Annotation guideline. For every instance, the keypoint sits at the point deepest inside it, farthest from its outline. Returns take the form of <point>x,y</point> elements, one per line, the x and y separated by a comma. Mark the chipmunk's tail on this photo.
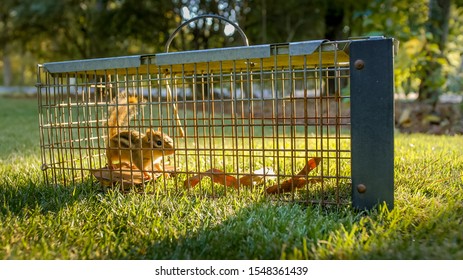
<point>121,110</point>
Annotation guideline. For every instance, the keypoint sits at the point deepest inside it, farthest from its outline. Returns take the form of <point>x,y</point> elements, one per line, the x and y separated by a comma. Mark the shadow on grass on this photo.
<point>24,196</point>
<point>246,236</point>
<point>263,230</point>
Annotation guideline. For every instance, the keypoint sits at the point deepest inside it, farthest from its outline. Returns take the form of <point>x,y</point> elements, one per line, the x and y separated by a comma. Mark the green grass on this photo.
<point>82,222</point>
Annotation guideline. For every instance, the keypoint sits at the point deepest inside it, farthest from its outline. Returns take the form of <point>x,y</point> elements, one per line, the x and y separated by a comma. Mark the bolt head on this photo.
<point>359,64</point>
<point>361,188</point>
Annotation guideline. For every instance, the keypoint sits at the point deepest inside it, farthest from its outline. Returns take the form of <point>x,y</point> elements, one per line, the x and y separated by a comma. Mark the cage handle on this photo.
<point>169,41</point>
<point>240,31</point>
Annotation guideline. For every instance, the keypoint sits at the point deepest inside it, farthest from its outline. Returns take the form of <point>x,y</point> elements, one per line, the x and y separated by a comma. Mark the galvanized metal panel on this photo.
<point>223,54</point>
<point>93,64</point>
<point>372,116</point>
<point>214,58</point>
<point>303,48</point>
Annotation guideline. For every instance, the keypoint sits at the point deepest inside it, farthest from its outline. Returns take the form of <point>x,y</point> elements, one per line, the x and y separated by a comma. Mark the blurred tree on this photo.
<point>454,49</point>
<point>141,26</point>
<point>403,20</point>
<point>82,28</point>
<point>437,29</point>
<point>272,21</point>
<point>426,57</point>
<point>207,33</point>
<point>22,28</point>
<point>8,36</point>
<point>48,30</point>
<point>344,18</point>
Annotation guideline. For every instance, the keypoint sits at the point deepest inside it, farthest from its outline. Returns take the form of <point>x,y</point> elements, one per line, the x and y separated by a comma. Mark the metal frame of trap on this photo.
<point>231,102</point>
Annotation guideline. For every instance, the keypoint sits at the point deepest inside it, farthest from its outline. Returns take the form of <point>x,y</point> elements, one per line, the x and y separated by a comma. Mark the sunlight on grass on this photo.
<point>84,221</point>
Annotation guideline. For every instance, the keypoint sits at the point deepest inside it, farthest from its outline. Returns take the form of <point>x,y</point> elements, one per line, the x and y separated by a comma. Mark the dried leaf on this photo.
<point>311,165</point>
<point>221,178</point>
<point>126,175</point>
<point>216,175</point>
<point>291,184</point>
<point>193,181</point>
<point>250,180</point>
<point>297,181</point>
<point>108,177</point>
<point>288,185</point>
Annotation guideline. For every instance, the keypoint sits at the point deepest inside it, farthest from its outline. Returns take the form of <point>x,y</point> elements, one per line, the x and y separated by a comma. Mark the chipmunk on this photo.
<point>142,150</point>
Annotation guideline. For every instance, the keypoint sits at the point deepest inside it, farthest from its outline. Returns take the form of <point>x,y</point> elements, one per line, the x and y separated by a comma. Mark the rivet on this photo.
<point>359,64</point>
<point>361,188</point>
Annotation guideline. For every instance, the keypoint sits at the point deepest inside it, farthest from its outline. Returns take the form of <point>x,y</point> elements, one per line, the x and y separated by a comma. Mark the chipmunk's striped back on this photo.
<point>122,109</point>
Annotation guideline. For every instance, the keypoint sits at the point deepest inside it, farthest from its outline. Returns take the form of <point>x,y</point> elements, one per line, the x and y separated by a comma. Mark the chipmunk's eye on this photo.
<point>159,143</point>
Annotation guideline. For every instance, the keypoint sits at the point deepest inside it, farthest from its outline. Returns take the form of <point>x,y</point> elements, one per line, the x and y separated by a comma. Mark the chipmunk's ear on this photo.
<point>159,128</point>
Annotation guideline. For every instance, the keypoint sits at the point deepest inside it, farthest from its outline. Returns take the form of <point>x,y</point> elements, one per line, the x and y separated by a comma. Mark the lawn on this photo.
<point>83,222</point>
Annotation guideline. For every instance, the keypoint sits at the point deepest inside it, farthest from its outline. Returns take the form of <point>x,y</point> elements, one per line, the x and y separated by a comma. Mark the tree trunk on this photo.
<point>264,22</point>
<point>438,26</point>
<point>7,71</point>
<point>334,24</point>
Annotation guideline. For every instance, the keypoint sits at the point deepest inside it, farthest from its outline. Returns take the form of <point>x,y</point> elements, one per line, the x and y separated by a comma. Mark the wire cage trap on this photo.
<point>310,121</point>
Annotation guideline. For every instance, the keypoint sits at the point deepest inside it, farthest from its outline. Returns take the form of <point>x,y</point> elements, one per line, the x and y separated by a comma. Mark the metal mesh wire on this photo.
<point>241,117</point>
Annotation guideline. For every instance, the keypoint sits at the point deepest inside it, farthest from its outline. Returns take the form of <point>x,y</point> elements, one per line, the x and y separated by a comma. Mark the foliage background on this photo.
<point>37,31</point>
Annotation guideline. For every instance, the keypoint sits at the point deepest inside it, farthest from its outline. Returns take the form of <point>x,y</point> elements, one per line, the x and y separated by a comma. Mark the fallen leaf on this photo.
<point>108,177</point>
<point>297,181</point>
<point>311,165</point>
<point>126,175</point>
<point>216,175</point>
<point>192,181</point>
<point>291,184</point>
